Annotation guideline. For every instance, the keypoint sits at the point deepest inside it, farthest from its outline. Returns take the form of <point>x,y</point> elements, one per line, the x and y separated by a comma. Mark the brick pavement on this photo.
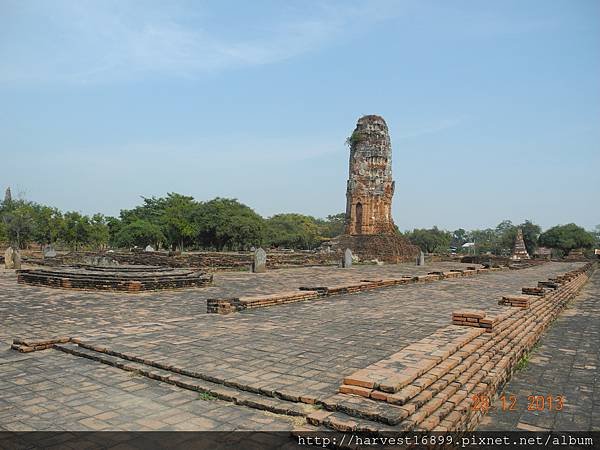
<point>52,391</point>
<point>307,346</point>
<point>565,363</point>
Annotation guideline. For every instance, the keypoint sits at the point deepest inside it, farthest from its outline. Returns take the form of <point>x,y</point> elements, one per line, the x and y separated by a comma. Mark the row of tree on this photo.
<point>180,222</point>
<point>172,222</point>
<point>500,240</point>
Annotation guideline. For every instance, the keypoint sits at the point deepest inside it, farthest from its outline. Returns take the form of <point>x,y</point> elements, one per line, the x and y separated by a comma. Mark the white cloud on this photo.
<point>103,41</point>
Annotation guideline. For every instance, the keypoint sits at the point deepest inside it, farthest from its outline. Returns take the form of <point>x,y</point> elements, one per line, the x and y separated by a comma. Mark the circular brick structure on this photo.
<point>117,278</point>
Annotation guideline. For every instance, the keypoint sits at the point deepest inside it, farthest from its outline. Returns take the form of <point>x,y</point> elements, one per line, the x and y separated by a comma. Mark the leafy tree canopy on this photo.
<point>431,240</point>
<point>567,237</point>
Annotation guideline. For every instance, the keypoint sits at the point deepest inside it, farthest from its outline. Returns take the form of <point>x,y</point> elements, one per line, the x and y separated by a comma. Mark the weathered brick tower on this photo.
<point>370,232</point>
<point>519,250</point>
<point>370,185</point>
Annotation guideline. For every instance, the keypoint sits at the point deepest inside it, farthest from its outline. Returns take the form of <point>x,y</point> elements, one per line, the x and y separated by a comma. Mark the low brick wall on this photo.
<point>202,260</point>
<point>312,292</point>
<point>474,318</point>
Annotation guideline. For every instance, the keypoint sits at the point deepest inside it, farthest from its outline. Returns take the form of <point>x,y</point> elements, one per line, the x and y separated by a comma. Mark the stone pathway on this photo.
<point>50,390</point>
<point>308,346</point>
<point>566,363</point>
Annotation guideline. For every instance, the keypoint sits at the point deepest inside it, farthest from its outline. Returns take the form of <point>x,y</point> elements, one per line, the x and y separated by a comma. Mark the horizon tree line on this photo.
<point>179,222</point>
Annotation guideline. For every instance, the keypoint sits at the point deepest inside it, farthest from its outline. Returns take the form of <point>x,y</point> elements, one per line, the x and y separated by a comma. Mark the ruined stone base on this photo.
<point>120,278</point>
<point>390,248</point>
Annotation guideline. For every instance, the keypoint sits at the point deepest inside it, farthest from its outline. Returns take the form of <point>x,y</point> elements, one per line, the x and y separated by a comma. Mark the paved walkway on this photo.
<point>566,363</point>
<point>307,346</point>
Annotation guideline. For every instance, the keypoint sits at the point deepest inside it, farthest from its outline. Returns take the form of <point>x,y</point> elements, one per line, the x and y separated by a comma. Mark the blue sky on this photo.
<point>493,107</point>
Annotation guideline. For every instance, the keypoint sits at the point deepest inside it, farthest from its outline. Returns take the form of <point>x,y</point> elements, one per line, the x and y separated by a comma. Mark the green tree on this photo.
<point>98,231</point>
<point>47,223</point>
<point>431,240</point>
<point>114,225</point>
<point>18,223</point>
<point>293,231</point>
<point>596,234</point>
<point>3,234</point>
<point>139,233</point>
<point>459,237</point>
<point>76,230</point>
<point>226,223</point>
<point>178,220</point>
<point>173,214</point>
<point>485,240</point>
<point>566,238</point>
<point>504,240</point>
<point>333,225</point>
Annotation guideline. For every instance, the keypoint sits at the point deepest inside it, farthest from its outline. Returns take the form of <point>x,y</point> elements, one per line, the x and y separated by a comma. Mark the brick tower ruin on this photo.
<point>370,231</point>
<point>370,185</point>
<point>519,250</point>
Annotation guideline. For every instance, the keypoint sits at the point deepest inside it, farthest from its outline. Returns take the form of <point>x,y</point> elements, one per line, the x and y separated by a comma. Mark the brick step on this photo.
<point>339,421</point>
<point>296,397</point>
<point>365,408</point>
<point>220,391</point>
<point>392,374</point>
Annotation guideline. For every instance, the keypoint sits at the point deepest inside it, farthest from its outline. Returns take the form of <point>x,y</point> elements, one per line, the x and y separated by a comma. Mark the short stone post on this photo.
<point>8,258</point>
<point>259,264</point>
<point>17,260</point>
<point>347,260</point>
<point>12,259</point>
<point>49,252</point>
<point>421,259</point>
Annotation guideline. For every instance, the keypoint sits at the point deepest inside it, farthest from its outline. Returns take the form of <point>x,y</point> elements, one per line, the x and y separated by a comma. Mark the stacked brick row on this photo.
<point>533,291</point>
<point>115,280</point>
<point>474,318</point>
<point>236,304</point>
<point>27,346</point>
<point>431,385</point>
<point>518,301</point>
<point>227,306</point>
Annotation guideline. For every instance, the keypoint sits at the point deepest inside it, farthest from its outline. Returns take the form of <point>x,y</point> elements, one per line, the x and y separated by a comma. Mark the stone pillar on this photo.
<point>347,259</point>
<point>12,259</point>
<point>259,264</point>
<point>49,252</point>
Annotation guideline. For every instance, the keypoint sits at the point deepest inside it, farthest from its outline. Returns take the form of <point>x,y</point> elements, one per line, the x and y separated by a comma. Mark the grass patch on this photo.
<point>206,396</point>
<point>524,361</point>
